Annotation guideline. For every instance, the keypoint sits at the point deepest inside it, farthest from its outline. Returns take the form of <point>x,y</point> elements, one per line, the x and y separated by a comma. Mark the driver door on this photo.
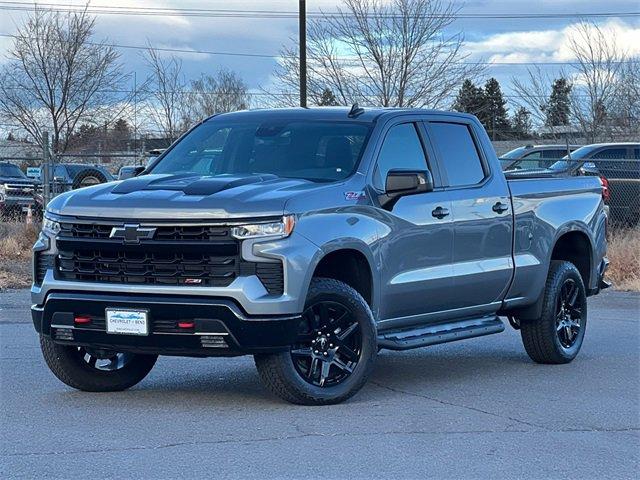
<point>417,248</point>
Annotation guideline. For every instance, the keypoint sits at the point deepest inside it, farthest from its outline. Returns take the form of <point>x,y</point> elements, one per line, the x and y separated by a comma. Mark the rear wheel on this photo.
<point>95,370</point>
<point>334,353</point>
<point>556,337</point>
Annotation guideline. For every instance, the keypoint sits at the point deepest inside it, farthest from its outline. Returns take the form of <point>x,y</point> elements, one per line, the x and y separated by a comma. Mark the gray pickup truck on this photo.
<point>311,239</point>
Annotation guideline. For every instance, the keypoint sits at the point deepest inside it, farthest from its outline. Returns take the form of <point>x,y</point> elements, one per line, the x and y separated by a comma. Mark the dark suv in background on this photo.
<point>534,156</point>
<point>16,192</point>
<point>618,166</point>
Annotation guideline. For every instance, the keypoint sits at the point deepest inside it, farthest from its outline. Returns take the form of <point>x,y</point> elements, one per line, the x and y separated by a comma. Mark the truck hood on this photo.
<point>183,197</point>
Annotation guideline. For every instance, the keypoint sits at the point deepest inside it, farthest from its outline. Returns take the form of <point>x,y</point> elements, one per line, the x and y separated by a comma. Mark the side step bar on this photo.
<point>426,335</point>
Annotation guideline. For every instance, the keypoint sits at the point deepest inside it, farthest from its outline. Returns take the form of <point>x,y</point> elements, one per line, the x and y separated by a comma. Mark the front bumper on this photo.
<point>221,328</point>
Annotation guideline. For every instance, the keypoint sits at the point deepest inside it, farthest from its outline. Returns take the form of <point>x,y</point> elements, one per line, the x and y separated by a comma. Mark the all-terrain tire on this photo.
<point>68,365</point>
<point>87,178</point>
<point>540,337</point>
<point>278,373</point>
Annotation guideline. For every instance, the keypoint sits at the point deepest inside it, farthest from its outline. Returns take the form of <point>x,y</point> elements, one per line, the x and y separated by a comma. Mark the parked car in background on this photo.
<point>69,176</point>
<point>532,157</point>
<point>618,166</point>
<point>16,192</point>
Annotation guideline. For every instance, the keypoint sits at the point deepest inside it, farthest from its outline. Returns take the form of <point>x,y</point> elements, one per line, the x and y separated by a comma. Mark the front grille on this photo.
<point>163,232</point>
<point>206,256</point>
<point>19,190</point>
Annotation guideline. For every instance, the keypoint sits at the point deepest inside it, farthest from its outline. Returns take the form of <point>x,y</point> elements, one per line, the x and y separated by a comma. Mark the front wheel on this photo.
<point>334,353</point>
<point>95,370</point>
<point>556,337</point>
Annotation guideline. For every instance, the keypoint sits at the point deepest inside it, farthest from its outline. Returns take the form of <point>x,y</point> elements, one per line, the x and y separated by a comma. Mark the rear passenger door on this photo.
<point>482,215</point>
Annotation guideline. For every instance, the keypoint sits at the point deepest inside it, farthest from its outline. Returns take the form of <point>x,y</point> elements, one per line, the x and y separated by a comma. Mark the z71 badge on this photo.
<point>354,195</point>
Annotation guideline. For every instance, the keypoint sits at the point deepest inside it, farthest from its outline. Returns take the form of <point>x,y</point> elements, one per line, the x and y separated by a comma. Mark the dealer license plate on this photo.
<point>127,322</point>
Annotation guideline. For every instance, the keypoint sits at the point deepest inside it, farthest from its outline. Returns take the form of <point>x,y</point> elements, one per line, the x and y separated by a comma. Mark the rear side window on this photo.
<point>401,149</point>
<point>554,154</point>
<point>459,153</point>
<point>611,153</point>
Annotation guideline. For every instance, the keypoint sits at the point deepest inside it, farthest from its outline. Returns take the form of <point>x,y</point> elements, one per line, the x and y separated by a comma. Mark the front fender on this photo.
<point>352,228</point>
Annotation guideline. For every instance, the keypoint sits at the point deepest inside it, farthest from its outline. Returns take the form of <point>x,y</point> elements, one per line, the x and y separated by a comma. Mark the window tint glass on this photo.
<point>555,154</point>
<point>459,153</point>
<point>611,153</point>
<point>316,151</point>
<point>401,149</point>
<point>533,155</point>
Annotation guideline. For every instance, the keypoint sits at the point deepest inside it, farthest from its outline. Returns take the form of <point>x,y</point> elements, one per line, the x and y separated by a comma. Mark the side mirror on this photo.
<point>129,172</point>
<point>401,183</point>
<point>59,179</point>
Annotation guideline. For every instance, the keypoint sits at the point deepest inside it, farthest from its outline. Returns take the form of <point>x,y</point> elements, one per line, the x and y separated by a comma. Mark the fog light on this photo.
<point>213,341</point>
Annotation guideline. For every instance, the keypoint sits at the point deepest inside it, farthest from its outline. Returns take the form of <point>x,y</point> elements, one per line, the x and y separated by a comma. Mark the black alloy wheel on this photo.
<point>334,353</point>
<point>329,346</point>
<point>568,313</point>
<point>104,360</point>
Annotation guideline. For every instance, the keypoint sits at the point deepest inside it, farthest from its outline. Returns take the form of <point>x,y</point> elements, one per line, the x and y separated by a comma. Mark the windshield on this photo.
<point>577,154</point>
<point>11,171</point>
<point>313,150</point>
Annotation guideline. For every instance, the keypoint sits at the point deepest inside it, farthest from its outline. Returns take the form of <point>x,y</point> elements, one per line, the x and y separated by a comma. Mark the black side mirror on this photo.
<point>129,172</point>
<point>401,183</point>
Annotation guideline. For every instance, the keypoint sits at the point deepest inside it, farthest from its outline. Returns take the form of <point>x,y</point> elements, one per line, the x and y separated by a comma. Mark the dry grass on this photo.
<point>624,254</point>
<point>16,240</point>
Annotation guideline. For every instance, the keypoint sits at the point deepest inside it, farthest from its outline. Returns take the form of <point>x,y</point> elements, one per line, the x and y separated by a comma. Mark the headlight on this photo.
<point>282,228</point>
<point>50,226</point>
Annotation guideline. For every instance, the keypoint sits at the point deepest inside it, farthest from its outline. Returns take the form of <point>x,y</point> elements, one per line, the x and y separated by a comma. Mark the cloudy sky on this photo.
<point>499,40</point>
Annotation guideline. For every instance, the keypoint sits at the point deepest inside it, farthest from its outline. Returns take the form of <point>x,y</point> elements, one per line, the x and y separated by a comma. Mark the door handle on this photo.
<point>440,212</point>
<point>500,207</point>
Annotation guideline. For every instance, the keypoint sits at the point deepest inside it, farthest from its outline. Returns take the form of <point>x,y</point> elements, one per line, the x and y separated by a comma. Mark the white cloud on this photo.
<point>548,45</point>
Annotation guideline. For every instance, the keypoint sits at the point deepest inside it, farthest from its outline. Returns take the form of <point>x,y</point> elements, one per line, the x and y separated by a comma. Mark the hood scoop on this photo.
<point>189,184</point>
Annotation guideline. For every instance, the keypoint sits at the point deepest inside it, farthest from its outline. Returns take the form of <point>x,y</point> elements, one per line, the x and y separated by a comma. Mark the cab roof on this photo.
<point>368,115</point>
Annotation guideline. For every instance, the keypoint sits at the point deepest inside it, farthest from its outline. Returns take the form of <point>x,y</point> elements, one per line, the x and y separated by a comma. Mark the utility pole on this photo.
<point>302,30</point>
<point>45,173</point>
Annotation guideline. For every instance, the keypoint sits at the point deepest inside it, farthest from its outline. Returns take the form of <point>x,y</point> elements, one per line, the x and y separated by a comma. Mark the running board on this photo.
<point>426,335</point>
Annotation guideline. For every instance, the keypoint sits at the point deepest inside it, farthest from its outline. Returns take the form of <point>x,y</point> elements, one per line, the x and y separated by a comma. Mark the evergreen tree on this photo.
<point>327,99</point>
<point>122,128</point>
<point>11,137</point>
<point>521,123</point>
<point>558,108</point>
<point>494,111</point>
<point>470,99</point>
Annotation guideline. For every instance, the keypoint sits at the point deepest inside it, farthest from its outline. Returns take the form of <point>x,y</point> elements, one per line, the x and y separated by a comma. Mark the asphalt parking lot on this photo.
<point>474,409</point>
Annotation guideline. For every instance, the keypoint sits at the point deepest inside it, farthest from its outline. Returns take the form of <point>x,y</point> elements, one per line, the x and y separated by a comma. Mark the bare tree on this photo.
<point>534,91</point>
<point>166,99</point>
<point>380,53</point>
<point>225,92</point>
<point>57,76</point>
<point>600,62</point>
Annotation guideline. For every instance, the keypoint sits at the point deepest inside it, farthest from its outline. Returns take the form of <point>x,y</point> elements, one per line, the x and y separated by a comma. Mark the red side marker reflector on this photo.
<point>186,324</point>
<point>82,320</point>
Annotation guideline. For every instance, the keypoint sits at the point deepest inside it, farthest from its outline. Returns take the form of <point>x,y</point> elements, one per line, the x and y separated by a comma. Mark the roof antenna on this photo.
<point>355,111</point>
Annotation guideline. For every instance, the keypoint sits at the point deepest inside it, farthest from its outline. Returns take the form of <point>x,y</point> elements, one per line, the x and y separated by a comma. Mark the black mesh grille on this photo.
<point>163,233</point>
<point>42,262</point>
<point>176,255</point>
<point>272,277</point>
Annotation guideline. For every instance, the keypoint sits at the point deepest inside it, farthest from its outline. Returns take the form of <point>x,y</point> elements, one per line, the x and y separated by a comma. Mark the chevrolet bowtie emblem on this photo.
<point>132,233</point>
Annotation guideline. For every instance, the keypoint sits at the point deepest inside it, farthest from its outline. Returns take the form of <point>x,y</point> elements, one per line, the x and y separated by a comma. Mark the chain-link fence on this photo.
<point>28,183</point>
<point>24,189</point>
